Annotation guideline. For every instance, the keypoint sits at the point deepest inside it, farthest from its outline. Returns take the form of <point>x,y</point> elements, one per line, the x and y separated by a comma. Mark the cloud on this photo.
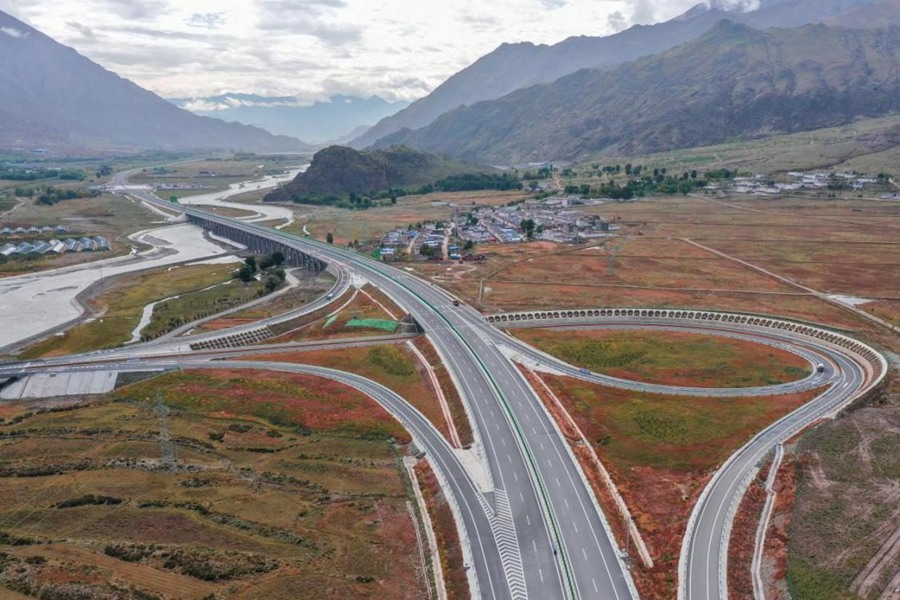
<point>13,32</point>
<point>206,20</point>
<point>734,5</point>
<point>617,21</point>
<point>644,12</point>
<point>138,10</point>
<point>551,4</point>
<point>84,30</point>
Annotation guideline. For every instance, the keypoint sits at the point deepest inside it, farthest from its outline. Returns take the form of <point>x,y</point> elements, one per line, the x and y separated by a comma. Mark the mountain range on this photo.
<point>53,97</point>
<point>339,119</point>
<point>515,66</point>
<point>734,81</point>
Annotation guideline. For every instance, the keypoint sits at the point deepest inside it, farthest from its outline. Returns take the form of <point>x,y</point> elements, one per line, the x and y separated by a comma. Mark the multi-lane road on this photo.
<point>534,530</point>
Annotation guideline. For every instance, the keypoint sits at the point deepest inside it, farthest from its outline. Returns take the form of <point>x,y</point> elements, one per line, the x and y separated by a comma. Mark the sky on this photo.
<point>312,49</point>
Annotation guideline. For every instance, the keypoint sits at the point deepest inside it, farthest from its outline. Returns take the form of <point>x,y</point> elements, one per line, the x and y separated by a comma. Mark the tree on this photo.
<point>245,274</point>
<point>329,238</point>
<point>250,262</point>
<point>277,258</point>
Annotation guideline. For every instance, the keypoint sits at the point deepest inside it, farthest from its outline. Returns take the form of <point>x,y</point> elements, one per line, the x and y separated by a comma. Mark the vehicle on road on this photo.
<point>456,303</point>
<point>585,371</point>
<point>820,368</point>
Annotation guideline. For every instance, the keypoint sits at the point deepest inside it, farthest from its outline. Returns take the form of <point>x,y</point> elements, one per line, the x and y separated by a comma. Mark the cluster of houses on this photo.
<point>51,247</point>
<point>552,219</point>
<point>795,181</point>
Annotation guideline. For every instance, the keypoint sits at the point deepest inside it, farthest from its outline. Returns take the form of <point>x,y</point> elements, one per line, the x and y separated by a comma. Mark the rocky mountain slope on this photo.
<point>515,66</point>
<point>734,81</point>
<point>51,96</point>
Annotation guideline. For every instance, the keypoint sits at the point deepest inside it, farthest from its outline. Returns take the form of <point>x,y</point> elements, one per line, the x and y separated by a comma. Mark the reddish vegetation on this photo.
<point>445,531</point>
<point>660,481</point>
<point>776,548</point>
<point>414,389</point>
<point>457,410</point>
<point>304,400</point>
<point>743,541</point>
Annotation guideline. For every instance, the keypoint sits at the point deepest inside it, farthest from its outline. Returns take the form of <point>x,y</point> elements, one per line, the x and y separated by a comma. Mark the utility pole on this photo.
<point>168,449</point>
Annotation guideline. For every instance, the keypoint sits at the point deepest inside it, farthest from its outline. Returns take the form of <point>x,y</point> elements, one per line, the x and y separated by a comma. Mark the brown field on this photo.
<point>668,357</point>
<point>285,483</point>
<point>392,366</point>
<point>661,451</point>
<point>834,246</point>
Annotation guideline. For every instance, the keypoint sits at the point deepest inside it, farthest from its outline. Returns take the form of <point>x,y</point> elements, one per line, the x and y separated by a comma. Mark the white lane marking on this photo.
<point>541,573</point>
<point>566,501</point>
<point>583,553</point>
<point>595,585</point>
<point>534,543</point>
<point>528,520</point>
<point>557,482</point>
<point>522,498</point>
<point>575,526</point>
<point>516,477</point>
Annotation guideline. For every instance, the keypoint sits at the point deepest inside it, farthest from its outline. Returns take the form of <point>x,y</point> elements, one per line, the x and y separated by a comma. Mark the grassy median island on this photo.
<point>660,451</point>
<point>670,357</point>
<point>393,366</point>
<point>120,304</point>
<point>286,486</point>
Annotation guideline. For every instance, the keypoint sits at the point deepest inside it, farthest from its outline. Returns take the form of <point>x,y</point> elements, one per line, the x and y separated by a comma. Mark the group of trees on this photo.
<point>268,268</point>
<point>22,174</point>
<point>660,182</point>
<point>50,195</point>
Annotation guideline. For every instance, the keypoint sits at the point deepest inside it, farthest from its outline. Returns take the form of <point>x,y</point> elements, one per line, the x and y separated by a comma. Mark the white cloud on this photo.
<point>13,32</point>
<point>312,49</point>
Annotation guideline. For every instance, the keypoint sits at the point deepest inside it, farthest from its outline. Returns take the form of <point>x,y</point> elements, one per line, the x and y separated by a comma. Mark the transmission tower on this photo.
<point>168,449</point>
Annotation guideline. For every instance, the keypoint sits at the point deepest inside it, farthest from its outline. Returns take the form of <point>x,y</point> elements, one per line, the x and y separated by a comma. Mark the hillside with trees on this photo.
<point>345,177</point>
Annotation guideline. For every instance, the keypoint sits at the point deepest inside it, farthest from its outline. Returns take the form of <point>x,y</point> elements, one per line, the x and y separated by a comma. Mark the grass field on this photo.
<point>285,484</point>
<point>392,366</point>
<point>669,357</point>
<point>660,451</point>
<point>120,303</point>
<point>846,508</point>
<point>309,288</point>
<point>861,145</point>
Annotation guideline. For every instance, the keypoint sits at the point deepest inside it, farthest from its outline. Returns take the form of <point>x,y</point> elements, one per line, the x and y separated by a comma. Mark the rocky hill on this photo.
<point>53,97</point>
<point>733,82</point>
<point>515,66</point>
<point>337,172</point>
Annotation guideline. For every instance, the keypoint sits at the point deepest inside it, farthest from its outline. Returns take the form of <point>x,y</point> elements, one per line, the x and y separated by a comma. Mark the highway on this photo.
<point>552,539</point>
<point>536,531</point>
<point>704,555</point>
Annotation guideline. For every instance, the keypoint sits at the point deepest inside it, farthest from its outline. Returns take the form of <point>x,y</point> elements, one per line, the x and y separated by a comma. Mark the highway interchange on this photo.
<point>537,532</point>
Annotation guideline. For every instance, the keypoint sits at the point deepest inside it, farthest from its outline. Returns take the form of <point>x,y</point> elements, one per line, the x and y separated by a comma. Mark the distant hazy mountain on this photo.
<point>52,96</point>
<point>319,122</point>
<point>515,66</point>
<point>733,81</point>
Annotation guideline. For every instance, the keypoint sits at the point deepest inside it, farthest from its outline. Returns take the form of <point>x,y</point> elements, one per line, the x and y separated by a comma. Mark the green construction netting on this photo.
<point>330,320</point>
<point>390,326</point>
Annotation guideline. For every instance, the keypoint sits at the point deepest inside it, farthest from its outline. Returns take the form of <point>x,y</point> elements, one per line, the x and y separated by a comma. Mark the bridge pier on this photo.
<point>260,245</point>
